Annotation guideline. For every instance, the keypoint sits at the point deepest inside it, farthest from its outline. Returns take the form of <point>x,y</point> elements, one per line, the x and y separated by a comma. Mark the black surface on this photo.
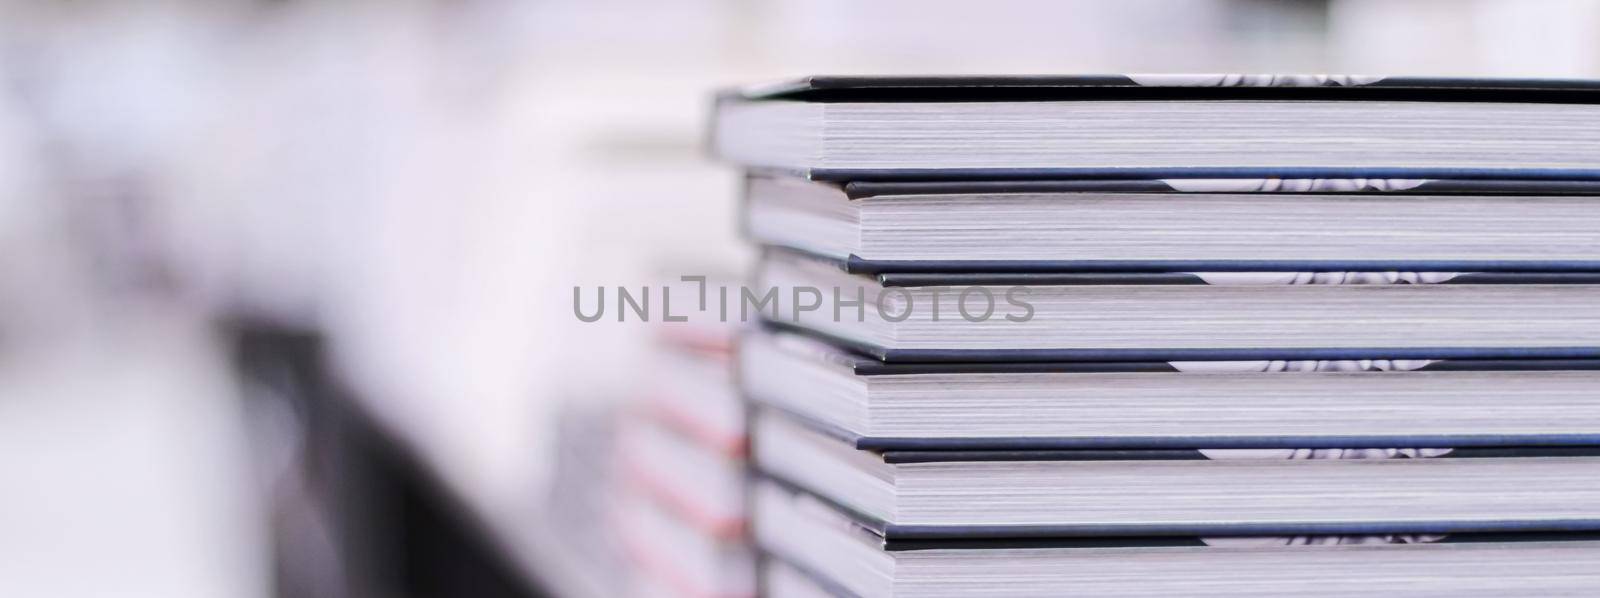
<point>1532,175</point>
<point>1541,354</point>
<point>398,531</point>
<point>1021,88</point>
<point>1509,271</point>
<point>864,189</point>
<point>1196,541</point>
<point>1190,454</point>
<point>904,449</point>
<point>1509,527</point>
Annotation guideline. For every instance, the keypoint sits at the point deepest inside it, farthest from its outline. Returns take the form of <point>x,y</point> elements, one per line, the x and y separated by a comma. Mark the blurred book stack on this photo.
<point>584,557</point>
<point>680,512</point>
<point>650,493</point>
<point>1173,335</point>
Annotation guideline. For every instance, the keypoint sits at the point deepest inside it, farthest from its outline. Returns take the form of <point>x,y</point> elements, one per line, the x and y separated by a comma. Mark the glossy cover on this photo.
<point>1545,355</point>
<point>994,88</point>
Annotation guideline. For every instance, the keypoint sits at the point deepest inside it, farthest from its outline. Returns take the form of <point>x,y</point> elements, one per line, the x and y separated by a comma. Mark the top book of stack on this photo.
<point>1165,126</point>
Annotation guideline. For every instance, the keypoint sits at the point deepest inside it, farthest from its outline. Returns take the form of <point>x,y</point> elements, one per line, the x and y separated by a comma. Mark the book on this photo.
<point>997,494</point>
<point>693,395</point>
<point>696,482</point>
<point>677,558</point>
<point>1177,225</point>
<point>1211,316</point>
<point>782,580</point>
<point>1147,405</point>
<point>579,550</point>
<point>1164,126</point>
<point>817,550</point>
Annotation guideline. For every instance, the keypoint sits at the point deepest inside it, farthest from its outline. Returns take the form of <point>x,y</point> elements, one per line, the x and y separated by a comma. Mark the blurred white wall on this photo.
<point>1504,38</point>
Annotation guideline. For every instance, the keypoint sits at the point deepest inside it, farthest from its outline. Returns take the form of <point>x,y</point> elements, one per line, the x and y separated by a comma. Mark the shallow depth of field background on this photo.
<point>423,183</point>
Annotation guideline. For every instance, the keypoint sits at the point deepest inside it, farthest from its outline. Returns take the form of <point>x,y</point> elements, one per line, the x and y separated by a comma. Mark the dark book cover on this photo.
<point>899,449</point>
<point>1015,88</point>
<point>1539,357</point>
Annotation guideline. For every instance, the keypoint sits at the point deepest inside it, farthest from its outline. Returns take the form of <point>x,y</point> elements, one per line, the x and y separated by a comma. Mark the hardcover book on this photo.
<point>1201,492</point>
<point>1149,405</point>
<point>817,550</point>
<point>1164,126</point>
<point>1211,316</point>
<point>1183,225</point>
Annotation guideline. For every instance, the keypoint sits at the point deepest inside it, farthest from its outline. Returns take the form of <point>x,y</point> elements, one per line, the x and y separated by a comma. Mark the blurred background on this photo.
<point>285,286</point>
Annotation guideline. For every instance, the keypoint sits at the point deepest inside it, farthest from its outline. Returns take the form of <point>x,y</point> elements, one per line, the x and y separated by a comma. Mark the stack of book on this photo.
<point>573,546</point>
<point>1173,335</point>
<point>679,511</point>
